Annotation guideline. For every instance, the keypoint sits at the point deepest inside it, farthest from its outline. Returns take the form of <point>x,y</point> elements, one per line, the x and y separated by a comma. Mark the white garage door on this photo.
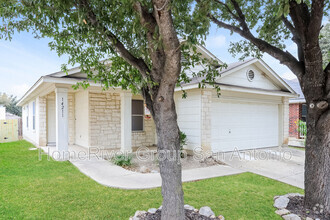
<point>243,125</point>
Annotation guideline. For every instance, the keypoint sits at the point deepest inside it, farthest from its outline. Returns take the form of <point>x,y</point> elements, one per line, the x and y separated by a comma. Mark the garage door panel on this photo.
<point>243,125</point>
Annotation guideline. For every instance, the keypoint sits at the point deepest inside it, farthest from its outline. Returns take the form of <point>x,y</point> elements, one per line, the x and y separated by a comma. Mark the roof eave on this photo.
<point>22,101</point>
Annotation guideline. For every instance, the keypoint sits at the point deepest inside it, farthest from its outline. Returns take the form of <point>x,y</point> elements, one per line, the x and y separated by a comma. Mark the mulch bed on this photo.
<point>296,206</point>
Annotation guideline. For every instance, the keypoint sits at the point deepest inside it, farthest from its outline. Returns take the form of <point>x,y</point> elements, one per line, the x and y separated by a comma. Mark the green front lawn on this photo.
<point>44,189</point>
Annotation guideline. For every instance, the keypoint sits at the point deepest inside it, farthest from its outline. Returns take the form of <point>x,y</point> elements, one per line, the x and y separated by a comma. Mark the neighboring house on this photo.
<point>252,112</point>
<point>4,115</point>
<point>2,112</point>
<point>298,110</point>
<point>12,116</point>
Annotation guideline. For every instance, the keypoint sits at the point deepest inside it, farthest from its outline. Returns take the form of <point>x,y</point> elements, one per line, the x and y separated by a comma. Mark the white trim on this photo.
<point>248,100</point>
<point>70,72</point>
<point>296,101</point>
<point>239,89</point>
<point>126,121</point>
<point>36,85</point>
<point>272,77</point>
<point>236,68</point>
<point>265,65</point>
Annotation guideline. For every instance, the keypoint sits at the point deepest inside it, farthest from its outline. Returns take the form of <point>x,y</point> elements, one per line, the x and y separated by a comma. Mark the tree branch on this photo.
<point>156,53</point>
<point>171,44</point>
<point>241,16</point>
<point>316,18</point>
<point>227,8</point>
<point>284,57</point>
<point>295,37</point>
<point>290,26</point>
<point>118,45</point>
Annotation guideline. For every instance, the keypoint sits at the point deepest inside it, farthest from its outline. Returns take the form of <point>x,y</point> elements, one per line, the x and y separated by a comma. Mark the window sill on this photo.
<point>137,132</point>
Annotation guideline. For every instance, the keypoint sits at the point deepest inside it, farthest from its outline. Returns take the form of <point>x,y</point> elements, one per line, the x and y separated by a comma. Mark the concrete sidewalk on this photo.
<point>108,174</point>
<point>282,164</point>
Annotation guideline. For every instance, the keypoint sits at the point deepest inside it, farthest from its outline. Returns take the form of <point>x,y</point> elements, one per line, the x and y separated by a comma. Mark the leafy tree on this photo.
<point>266,26</point>
<point>137,39</point>
<point>10,103</point>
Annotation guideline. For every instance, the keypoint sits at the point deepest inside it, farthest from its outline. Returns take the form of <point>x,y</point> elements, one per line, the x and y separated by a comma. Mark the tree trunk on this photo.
<point>317,162</point>
<point>167,129</point>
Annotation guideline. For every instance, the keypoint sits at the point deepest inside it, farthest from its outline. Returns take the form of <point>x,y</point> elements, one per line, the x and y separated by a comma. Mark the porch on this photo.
<point>92,118</point>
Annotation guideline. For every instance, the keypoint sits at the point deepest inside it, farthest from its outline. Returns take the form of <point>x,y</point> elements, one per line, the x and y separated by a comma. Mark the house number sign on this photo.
<point>62,107</point>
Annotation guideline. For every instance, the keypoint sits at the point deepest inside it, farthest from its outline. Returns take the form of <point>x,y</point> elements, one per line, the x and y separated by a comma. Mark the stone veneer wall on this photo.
<point>206,99</point>
<point>105,123</point>
<point>42,121</point>
<point>104,119</point>
<point>147,137</point>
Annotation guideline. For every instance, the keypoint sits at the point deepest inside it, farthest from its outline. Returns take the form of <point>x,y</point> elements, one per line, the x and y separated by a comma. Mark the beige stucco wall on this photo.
<point>81,118</point>
<point>71,118</point>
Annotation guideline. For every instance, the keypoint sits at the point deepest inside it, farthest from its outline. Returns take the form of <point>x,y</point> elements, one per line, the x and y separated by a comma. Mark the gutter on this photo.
<point>234,88</point>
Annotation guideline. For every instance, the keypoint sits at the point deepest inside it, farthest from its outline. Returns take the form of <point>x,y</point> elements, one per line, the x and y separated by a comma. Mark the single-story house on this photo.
<point>252,112</point>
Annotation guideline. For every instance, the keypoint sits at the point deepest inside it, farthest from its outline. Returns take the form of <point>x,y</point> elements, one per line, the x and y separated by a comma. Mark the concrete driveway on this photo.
<point>283,164</point>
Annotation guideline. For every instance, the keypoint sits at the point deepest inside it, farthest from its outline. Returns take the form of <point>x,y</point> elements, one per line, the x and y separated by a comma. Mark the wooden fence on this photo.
<point>10,130</point>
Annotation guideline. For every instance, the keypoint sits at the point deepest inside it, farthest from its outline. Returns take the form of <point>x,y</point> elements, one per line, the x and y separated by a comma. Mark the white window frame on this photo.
<point>27,116</point>
<point>34,115</point>
<point>141,115</point>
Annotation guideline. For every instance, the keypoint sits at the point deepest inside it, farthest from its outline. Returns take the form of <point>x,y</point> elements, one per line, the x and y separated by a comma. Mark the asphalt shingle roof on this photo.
<point>294,84</point>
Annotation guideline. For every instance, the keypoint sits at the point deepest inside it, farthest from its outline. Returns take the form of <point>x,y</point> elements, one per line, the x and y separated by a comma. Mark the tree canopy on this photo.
<point>10,102</point>
<point>267,26</point>
<point>325,43</point>
<point>107,39</point>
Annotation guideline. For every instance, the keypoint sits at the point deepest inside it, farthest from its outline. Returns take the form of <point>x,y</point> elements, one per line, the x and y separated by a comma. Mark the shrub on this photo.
<point>183,141</point>
<point>122,160</point>
<point>302,127</point>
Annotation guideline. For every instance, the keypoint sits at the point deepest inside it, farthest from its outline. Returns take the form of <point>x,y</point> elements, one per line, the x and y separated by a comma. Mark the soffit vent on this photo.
<point>250,75</point>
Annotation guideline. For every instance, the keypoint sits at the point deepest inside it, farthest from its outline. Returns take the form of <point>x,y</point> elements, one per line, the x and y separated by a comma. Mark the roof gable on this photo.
<point>264,77</point>
<point>240,78</point>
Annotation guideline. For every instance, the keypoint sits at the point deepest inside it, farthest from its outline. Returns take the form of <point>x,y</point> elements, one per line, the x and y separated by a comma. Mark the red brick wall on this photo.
<point>294,111</point>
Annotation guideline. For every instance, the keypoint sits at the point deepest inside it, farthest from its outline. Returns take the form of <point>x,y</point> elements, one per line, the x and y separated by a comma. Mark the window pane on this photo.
<point>303,110</point>
<point>34,122</point>
<point>137,107</point>
<point>137,123</point>
<point>34,108</point>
